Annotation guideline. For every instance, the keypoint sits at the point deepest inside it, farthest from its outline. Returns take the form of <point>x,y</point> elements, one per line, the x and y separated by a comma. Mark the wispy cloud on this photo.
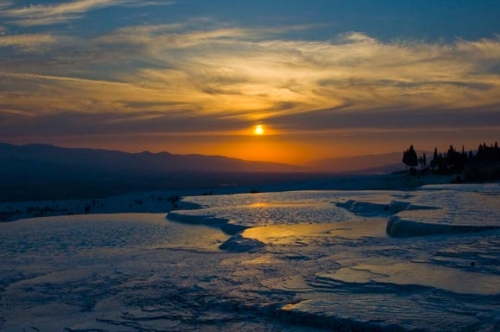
<point>353,72</point>
<point>237,76</point>
<point>28,42</point>
<point>5,3</point>
<point>35,15</point>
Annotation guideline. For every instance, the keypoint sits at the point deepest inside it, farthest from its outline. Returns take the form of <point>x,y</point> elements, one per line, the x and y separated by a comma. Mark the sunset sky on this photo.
<point>324,78</point>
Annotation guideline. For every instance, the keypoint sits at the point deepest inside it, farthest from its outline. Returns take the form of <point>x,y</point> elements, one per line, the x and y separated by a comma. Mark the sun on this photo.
<point>259,130</point>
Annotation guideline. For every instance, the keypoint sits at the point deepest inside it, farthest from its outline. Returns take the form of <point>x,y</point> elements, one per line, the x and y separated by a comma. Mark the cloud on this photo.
<point>237,76</point>
<point>28,42</point>
<point>36,15</point>
<point>6,3</point>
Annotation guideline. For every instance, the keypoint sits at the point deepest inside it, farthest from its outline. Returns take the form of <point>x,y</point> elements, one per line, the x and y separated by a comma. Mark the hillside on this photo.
<point>367,164</point>
<point>38,157</point>
<point>34,171</point>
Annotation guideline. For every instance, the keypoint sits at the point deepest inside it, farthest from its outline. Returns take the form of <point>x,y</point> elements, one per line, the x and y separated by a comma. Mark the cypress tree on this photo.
<point>410,157</point>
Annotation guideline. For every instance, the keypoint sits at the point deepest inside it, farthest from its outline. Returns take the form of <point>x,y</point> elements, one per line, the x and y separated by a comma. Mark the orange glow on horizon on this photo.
<point>275,145</point>
<point>267,148</point>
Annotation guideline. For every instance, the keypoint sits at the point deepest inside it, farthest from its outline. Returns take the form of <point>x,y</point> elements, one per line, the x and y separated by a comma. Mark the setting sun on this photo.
<point>259,130</point>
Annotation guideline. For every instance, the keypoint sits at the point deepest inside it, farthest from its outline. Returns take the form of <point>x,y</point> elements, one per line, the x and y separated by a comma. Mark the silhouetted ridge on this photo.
<point>366,164</point>
<point>117,161</point>
<point>37,171</point>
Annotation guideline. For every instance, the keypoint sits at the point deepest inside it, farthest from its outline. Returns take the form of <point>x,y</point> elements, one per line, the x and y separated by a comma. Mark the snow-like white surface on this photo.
<point>424,260</point>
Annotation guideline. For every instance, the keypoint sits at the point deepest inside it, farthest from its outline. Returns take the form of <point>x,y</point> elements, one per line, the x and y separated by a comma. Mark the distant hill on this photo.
<point>41,172</point>
<point>39,157</point>
<point>367,164</point>
<point>36,171</point>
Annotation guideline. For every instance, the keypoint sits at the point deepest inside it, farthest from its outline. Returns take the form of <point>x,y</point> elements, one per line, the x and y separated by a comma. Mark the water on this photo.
<point>424,260</point>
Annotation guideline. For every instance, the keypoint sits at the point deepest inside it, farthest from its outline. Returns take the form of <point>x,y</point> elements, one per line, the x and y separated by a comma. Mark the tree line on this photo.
<point>482,165</point>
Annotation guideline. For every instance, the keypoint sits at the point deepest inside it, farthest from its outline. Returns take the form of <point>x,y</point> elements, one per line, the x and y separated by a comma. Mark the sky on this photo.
<point>323,78</point>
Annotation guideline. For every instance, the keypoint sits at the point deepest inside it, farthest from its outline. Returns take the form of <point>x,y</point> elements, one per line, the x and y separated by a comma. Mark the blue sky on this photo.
<point>324,78</point>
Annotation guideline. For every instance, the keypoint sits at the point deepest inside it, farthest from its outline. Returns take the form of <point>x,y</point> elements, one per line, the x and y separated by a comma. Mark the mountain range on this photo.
<point>38,171</point>
<point>367,164</point>
<point>36,157</point>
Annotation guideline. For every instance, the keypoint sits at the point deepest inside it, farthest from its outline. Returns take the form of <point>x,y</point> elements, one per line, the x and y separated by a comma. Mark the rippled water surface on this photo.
<point>426,260</point>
